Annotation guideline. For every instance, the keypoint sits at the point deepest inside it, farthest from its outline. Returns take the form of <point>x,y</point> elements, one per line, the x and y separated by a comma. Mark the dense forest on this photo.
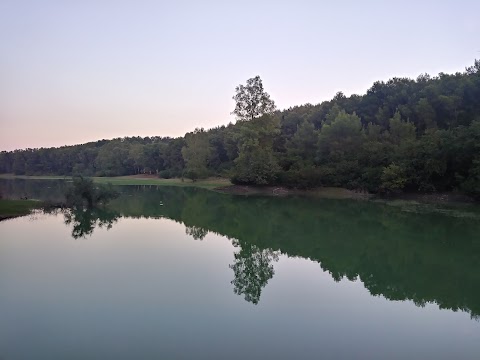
<point>418,135</point>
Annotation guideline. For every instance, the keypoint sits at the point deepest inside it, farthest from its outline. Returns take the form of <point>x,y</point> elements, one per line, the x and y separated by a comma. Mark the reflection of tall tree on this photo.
<point>252,270</point>
<point>393,250</point>
<point>85,220</point>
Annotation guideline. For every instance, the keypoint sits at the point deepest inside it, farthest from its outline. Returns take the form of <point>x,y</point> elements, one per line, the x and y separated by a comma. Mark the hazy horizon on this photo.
<point>75,73</point>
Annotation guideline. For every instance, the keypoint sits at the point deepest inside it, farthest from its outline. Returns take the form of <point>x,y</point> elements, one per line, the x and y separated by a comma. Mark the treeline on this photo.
<point>402,135</point>
<point>120,156</point>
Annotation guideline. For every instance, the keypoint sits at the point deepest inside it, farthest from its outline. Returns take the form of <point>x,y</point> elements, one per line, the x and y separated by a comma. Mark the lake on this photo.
<point>182,273</point>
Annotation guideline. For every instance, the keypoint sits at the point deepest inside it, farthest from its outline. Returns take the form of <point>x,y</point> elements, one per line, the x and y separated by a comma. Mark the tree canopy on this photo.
<point>251,101</point>
<point>404,134</point>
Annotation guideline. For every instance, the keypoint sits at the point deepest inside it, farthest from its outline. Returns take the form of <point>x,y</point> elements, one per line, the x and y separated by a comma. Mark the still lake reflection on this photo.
<point>180,273</point>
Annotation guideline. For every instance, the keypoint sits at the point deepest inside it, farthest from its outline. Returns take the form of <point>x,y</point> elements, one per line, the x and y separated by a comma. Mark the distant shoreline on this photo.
<point>224,186</point>
<point>141,179</point>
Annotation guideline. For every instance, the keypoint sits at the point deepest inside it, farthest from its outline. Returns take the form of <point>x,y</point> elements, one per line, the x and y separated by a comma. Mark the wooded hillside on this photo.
<point>403,134</point>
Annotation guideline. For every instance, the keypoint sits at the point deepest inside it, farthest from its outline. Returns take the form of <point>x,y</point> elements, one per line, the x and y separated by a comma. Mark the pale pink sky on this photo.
<point>72,72</point>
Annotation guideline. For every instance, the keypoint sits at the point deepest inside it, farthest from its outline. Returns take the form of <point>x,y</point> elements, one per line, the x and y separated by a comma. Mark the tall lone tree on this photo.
<point>252,101</point>
<point>256,162</point>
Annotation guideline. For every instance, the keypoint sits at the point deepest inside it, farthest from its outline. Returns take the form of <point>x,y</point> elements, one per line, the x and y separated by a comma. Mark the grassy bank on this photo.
<point>209,183</point>
<point>220,184</point>
<point>132,180</point>
<point>14,208</point>
<point>41,177</point>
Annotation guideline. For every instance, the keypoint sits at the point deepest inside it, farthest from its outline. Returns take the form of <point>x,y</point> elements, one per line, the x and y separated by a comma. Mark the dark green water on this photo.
<point>182,273</point>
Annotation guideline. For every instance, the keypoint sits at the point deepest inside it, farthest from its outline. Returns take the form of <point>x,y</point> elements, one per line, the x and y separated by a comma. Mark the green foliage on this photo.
<point>251,101</point>
<point>165,174</point>
<point>471,185</point>
<point>304,177</point>
<point>301,149</point>
<point>18,166</point>
<point>393,178</point>
<point>427,126</point>
<point>256,162</point>
<point>467,159</point>
<point>113,160</point>
<point>252,270</point>
<point>340,139</point>
<point>426,115</point>
<point>255,166</point>
<point>401,131</point>
<point>338,146</point>
<point>84,221</point>
<point>196,154</point>
<point>84,193</point>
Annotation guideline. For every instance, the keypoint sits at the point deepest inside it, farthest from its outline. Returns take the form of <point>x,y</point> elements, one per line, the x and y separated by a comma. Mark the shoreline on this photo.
<point>224,186</point>
<point>10,209</point>
<point>208,183</point>
<point>342,193</point>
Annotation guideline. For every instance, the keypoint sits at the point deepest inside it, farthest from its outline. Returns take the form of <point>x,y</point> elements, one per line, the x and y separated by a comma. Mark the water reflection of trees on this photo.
<point>252,270</point>
<point>198,233</point>
<point>84,221</point>
<point>393,250</point>
<point>52,190</point>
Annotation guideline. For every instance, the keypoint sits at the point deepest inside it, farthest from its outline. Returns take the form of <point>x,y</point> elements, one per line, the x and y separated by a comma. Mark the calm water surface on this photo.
<point>182,273</point>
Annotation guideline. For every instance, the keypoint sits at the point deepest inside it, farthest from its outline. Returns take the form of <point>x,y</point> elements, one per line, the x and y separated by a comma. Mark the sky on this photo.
<point>79,71</point>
